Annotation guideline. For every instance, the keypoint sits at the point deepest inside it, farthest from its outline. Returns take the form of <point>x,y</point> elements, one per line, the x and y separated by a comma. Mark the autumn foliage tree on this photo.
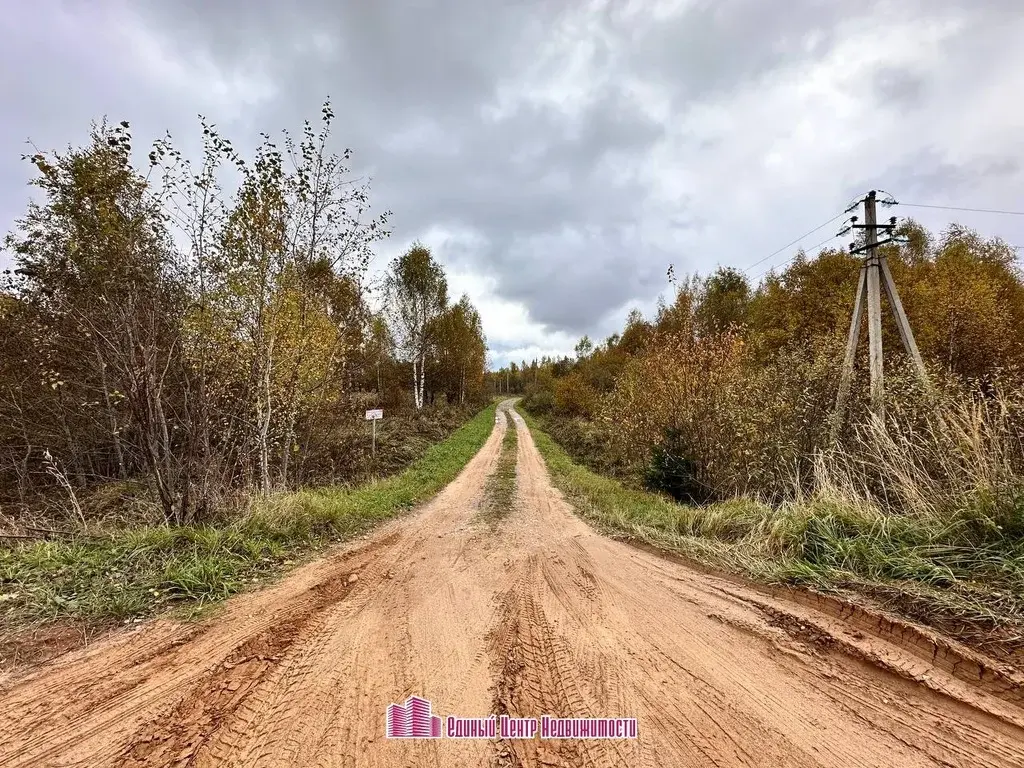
<point>461,351</point>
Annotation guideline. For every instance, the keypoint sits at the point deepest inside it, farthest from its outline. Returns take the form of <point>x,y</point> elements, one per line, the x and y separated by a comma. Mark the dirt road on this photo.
<point>537,615</point>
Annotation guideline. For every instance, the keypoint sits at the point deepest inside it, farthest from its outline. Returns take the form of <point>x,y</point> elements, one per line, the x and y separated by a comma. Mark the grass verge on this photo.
<point>501,486</point>
<point>138,571</point>
<point>946,572</point>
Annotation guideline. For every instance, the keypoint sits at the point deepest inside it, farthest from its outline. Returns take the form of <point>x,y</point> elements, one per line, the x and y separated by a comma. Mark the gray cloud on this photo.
<point>558,155</point>
<point>924,172</point>
<point>717,46</point>
<point>899,88</point>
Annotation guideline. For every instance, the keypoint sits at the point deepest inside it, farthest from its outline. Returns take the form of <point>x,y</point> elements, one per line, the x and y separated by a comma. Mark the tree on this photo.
<point>255,250</point>
<point>584,347</point>
<point>99,282</point>
<point>278,311</point>
<point>723,301</point>
<point>461,351</point>
<point>416,295</point>
<point>380,347</point>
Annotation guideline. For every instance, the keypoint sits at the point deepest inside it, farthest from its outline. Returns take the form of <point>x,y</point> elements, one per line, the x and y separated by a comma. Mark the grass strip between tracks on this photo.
<point>500,491</point>
<point>917,568</point>
<point>138,571</point>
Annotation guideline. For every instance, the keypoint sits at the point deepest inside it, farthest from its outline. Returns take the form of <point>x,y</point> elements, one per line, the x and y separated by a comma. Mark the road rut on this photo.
<point>535,615</point>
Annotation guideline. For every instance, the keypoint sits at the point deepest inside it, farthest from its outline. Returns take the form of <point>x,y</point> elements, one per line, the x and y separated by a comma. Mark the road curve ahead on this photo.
<point>534,615</point>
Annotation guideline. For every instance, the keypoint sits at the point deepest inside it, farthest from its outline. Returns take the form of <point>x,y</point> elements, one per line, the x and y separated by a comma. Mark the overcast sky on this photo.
<point>557,156</point>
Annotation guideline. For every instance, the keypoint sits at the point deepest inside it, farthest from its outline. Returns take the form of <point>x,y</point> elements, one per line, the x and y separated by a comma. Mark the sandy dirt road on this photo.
<point>535,615</point>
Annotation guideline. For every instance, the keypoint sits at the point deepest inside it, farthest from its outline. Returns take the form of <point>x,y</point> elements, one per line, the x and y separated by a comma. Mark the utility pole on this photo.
<point>874,306</point>
<point>874,275</point>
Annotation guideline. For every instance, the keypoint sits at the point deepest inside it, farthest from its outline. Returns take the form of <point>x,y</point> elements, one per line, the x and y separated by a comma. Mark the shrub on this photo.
<point>674,472</point>
<point>540,402</point>
<point>575,397</point>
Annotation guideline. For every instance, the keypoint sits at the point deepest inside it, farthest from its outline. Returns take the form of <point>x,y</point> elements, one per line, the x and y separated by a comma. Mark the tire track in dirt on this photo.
<point>186,733</point>
<point>538,615</point>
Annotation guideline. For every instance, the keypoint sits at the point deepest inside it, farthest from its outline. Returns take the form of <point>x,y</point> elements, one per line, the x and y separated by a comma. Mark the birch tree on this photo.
<point>416,295</point>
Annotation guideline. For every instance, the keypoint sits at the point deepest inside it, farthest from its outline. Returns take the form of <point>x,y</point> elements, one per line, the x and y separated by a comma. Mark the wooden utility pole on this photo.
<point>874,275</point>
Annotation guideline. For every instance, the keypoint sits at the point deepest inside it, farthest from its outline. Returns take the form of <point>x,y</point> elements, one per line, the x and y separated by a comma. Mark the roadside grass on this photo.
<point>951,571</point>
<point>500,490</point>
<point>136,572</point>
<point>114,505</point>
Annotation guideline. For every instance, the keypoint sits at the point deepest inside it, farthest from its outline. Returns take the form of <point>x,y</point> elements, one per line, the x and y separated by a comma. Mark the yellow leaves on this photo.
<point>575,397</point>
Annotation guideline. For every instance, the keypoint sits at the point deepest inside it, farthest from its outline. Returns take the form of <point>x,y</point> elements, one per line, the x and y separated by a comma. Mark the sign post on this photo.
<point>372,416</point>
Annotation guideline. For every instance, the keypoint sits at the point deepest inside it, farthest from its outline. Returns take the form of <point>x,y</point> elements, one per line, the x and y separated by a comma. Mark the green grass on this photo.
<point>499,493</point>
<point>138,571</point>
<point>953,572</point>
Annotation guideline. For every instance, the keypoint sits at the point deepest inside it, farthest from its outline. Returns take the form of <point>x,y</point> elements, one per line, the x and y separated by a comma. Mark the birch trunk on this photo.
<point>423,366</point>
<point>415,382</point>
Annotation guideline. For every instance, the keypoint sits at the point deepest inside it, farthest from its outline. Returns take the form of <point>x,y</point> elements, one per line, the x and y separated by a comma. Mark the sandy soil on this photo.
<point>538,615</point>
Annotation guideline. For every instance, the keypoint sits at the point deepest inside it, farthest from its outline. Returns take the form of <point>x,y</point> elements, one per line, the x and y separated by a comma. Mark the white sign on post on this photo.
<point>374,415</point>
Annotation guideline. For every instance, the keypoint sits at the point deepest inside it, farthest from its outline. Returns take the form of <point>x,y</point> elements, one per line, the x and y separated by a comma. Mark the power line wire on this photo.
<point>834,218</point>
<point>787,245</point>
<point>971,210</point>
<point>956,208</point>
<point>813,247</point>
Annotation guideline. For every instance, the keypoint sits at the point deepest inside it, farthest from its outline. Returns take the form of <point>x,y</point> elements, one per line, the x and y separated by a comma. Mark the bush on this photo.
<point>539,403</point>
<point>674,472</point>
<point>575,397</point>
